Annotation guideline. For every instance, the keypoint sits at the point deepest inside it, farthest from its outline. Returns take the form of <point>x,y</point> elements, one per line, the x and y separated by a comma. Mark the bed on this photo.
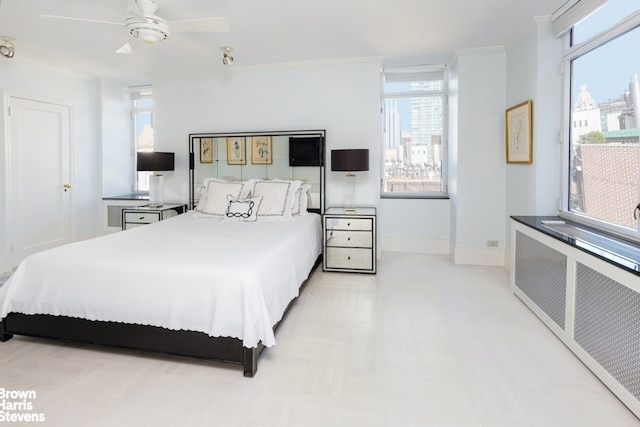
<point>212,283</point>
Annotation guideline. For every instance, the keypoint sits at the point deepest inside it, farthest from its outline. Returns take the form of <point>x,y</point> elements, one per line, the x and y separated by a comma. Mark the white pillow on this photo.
<point>216,199</point>
<point>203,193</point>
<point>245,210</point>
<point>301,200</point>
<point>277,198</point>
<point>203,197</point>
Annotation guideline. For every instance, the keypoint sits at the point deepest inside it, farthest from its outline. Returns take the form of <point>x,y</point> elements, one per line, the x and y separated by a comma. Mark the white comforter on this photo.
<point>223,278</point>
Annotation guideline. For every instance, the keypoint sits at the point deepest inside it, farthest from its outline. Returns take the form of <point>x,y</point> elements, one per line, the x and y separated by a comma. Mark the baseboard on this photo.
<point>478,256</point>
<point>416,246</point>
<point>507,260</point>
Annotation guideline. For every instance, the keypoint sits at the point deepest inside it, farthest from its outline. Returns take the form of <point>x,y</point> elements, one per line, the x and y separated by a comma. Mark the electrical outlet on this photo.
<point>492,243</point>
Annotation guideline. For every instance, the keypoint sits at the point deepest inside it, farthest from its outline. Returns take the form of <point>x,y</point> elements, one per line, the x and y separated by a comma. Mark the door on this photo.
<point>39,189</point>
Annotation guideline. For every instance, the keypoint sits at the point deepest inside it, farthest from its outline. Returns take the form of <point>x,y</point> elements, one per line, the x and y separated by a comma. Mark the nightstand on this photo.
<point>141,215</point>
<point>350,239</point>
<point>113,206</point>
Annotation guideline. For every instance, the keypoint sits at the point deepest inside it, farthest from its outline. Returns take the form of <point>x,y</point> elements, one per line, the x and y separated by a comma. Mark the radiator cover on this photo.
<point>541,273</point>
<point>607,325</point>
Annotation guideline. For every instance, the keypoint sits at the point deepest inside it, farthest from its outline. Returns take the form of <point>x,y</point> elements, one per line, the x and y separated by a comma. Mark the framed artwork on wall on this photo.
<point>519,134</point>
<point>236,150</point>
<point>261,150</point>
<point>206,150</point>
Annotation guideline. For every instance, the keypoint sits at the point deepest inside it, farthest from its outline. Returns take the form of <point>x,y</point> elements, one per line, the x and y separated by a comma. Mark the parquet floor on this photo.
<point>422,343</point>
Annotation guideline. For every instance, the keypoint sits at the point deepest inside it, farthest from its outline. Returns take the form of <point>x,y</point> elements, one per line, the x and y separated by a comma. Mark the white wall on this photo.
<point>480,161</point>
<point>533,72</point>
<point>521,86</point>
<point>116,139</point>
<point>548,111</point>
<point>341,97</point>
<point>29,78</point>
<point>414,225</point>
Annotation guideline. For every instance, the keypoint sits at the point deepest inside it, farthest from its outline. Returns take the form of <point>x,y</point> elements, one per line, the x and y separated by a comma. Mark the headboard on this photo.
<point>263,155</point>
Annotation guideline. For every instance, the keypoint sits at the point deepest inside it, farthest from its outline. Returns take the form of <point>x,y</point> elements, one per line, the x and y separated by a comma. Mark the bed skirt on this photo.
<point>139,337</point>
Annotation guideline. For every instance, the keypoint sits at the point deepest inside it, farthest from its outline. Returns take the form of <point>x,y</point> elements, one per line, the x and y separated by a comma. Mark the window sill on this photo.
<point>609,248</point>
<point>415,196</point>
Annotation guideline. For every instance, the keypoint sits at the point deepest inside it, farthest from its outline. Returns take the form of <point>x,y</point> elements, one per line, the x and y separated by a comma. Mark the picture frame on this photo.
<point>261,150</point>
<point>236,150</point>
<point>206,150</point>
<point>519,133</point>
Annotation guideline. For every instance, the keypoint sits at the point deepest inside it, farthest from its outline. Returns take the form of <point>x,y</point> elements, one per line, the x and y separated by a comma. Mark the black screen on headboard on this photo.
<point>305,151</point>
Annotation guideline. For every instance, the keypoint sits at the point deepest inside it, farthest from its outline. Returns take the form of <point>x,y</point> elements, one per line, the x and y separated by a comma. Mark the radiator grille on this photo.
<point>540,272</point>
<point>607,325</point>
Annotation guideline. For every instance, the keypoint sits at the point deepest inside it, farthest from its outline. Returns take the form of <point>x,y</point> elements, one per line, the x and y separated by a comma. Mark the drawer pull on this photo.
<point>348,224</point>
<point>141,218</point>
<point>349,238</point>
<point>349,258</point>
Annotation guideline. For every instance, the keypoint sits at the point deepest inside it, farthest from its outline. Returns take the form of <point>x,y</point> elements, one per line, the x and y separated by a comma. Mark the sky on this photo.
<point>607,70</point>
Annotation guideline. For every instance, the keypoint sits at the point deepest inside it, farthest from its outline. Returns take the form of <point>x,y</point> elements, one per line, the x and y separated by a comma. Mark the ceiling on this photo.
<point>262,32</point>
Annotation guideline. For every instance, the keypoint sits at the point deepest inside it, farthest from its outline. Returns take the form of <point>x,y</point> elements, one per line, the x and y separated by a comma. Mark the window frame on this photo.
<point>572,52</point>
<point>138,93</point>
<point>384,96</point>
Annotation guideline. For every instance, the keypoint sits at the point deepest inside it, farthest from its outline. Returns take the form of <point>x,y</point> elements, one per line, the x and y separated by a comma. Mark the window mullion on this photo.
<point>627,24</point>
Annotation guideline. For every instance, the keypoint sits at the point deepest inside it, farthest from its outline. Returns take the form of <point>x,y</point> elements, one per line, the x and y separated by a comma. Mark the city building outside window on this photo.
<point>604,118</point>
<point>142,104</point>
<point>413,137</point>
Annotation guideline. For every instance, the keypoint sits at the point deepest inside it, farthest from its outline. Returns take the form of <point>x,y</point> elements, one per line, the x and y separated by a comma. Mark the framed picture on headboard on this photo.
<point>236,150</point>
<point>206,150</point>
<point>261,150</point>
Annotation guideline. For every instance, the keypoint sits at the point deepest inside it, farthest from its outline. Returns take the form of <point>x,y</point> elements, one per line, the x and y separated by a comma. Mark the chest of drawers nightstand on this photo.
<point>141,215</point>
<point>350,239</point>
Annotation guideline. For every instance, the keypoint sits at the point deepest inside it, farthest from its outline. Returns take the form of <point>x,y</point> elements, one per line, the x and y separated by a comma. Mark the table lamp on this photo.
<point>155,161</point>
<point>350,160</point>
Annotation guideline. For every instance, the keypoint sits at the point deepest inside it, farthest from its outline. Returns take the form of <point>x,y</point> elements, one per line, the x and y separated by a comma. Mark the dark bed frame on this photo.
<point>144,338</point>
<point>151,338</point>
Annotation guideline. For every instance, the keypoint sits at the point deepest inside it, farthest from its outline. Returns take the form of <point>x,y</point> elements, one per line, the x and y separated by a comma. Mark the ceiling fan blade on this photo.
<point>130,46</point>
<point>71,18</point>
<point>201,25</point>
<point>192,47</point>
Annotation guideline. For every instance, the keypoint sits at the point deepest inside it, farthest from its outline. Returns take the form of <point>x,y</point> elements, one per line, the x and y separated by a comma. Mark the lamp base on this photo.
<point>156,191</point>
<point>350,190</point>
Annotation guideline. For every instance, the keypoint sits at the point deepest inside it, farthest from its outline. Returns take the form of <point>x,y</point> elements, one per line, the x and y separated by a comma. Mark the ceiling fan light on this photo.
<point>151,31</point>
<point>149,35</point>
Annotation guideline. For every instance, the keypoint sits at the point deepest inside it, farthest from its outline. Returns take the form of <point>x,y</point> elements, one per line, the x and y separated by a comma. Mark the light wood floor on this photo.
<point>422,343</point>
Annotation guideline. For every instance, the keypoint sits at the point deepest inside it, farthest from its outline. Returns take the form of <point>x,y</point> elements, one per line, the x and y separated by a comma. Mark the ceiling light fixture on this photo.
<point>227,59</point>
<point>7,50</point>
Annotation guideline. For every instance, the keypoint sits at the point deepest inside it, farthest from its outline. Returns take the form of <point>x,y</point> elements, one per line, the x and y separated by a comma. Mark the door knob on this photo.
<point>66,187</point>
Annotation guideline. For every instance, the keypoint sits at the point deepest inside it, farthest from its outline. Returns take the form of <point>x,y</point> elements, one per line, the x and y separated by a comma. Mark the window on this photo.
<point>142,104</point>
<point>604,110</point>
<point>413,139</point>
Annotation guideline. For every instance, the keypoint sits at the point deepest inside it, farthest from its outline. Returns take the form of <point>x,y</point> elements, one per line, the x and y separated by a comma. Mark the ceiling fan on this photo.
<point>145,26</point>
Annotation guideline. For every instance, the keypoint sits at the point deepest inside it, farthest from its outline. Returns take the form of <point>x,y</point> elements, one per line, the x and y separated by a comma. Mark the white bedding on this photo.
<point>223,278</point>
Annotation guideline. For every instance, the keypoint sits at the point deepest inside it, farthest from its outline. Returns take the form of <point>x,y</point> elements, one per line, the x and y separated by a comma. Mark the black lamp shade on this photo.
<point>352,160</point>
<point>155,161</point>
